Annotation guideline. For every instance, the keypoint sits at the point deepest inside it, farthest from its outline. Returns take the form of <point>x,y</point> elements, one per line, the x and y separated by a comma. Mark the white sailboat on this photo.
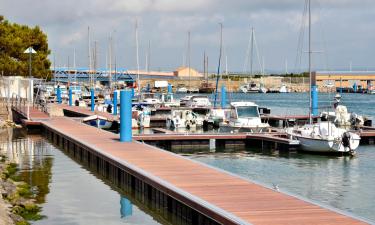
<point>323,137</point>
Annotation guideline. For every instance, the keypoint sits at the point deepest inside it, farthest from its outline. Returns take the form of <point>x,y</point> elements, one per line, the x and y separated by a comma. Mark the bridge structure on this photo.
<point>65,75</point>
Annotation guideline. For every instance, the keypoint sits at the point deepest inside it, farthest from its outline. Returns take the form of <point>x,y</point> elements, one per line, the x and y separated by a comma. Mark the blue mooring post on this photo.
<point>170,91</point>
<point>314,100</point>
<point>223,96</point>
<point>58,93</point>
<point>92,100</point>
<point>132,92</point>
<point>125,116</point>
<point>70,97</point>
<point>355,87</point>
<point>115,103</point>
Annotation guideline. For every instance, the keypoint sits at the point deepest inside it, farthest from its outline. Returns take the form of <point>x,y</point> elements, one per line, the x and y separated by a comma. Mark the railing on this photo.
<point>21,105</point>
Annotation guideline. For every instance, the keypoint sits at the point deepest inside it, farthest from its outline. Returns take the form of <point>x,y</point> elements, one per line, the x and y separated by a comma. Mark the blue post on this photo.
<point>58,93</point>
<point>126,208</point>
<point>355,87</point>
<point>115,103</point>
<point>132,89</point>
<point>148,88</point>
<point>70,97</point>
<point>170,91</point>
<point>314,100</point>
<point>92,100</point>
<point>223,96</point>
<point>125,116</point>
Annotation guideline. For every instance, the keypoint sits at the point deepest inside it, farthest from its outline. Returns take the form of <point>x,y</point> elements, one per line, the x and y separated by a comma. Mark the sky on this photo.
<point>343,32</point>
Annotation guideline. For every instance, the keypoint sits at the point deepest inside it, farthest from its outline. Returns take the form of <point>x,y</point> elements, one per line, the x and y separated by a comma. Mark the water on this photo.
<point>70,194</point>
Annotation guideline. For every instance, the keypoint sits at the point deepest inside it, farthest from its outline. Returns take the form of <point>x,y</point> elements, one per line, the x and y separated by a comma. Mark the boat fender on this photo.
<point>346,139</point>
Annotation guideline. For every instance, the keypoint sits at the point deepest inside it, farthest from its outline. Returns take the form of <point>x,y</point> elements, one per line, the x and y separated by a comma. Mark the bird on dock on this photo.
<point>276,187</point>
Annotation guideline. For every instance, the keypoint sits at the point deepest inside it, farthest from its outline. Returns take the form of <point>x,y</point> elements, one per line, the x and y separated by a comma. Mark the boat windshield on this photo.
<point>247,111</point>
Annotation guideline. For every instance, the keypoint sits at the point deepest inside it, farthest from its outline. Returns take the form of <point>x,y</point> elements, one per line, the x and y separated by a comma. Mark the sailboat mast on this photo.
<point>110,61</point>
<point>218,67</point>
<point>310,73</point>
<point>189,60</point>
<point>252,51</point>
<point>89,54</point>
<point>137,52</point>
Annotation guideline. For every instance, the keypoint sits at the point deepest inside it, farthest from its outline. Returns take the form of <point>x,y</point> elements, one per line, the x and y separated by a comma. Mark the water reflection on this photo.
<point>126,209</point>
<point>67,192</point>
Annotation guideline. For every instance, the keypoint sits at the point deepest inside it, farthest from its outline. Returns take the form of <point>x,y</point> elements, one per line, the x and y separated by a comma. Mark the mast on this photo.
<point>89,54</point>
<point>137,53</point>
<point>218,67</point>
<point>204,64</point>
<point>252,51</point>
<point>189,60</point>
<point>75,66</point>
<point>310,55</point>
<point>110,61</point>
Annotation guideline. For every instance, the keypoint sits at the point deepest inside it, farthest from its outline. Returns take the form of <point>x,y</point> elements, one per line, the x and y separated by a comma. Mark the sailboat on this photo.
<point>323,137</point>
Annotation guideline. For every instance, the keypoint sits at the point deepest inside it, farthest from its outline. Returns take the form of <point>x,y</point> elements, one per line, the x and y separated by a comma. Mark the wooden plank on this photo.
<point>218,194</point>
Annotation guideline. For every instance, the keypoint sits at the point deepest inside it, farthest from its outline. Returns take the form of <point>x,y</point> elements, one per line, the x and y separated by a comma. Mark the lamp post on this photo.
<point>30,51</point>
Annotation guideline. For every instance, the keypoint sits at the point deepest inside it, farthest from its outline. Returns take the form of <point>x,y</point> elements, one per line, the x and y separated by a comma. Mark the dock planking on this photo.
<point>226,198</point>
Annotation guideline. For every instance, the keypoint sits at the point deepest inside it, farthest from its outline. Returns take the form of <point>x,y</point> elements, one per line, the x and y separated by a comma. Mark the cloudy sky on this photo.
<point>343,30</point>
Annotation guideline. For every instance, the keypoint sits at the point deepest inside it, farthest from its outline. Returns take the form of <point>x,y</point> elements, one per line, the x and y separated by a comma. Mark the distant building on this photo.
<point>344,79</point>
<point>183,73</point>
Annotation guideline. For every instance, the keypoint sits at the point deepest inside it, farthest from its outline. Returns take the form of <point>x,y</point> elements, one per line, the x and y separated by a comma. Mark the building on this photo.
<point>186,72</point>
<point>345,79</point>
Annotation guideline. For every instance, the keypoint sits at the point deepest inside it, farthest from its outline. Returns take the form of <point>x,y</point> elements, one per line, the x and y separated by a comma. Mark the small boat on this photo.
<point>325,137</point>
<point>183,118</point>
<point>98,121</point>
<point>250,88</point>
<point>185,99</point>
<point>206,88</point>
<point>244,117</point>
<point>182,90</point>
<point>283,89</point>
<point>193,90</point>
<point>167,100</point>
<point>198,101</point>
<point>215,117</point>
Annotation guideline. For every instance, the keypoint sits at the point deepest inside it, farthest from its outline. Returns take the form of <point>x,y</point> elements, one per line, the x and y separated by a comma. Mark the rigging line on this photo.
<point>247,55</point>
<point>322,31</point>
<point>298,62</point>
<point>257,53</point>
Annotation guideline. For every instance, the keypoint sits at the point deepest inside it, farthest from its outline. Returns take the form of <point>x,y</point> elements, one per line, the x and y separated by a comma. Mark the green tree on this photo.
<point>14,39</point>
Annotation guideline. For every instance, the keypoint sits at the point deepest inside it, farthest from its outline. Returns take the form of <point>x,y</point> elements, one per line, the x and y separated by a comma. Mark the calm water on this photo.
<point>70,194</point>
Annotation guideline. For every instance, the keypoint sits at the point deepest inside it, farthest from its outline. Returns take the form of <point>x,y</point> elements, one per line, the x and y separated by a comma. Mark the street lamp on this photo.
<point>30,51</point>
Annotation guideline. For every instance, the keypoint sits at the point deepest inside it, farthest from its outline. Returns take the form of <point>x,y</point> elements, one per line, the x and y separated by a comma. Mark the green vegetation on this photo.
<point>21,196</point>
<point>14,40</point>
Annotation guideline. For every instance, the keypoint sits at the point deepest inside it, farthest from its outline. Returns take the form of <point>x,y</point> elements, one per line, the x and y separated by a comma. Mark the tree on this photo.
<point>14,39</point>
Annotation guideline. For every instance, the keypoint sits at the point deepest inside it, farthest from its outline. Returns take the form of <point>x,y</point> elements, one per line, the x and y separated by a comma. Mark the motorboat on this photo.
<point>98,121</point>
<point>325,137</point>
<point>185,99</point>
<point>244,117</point>
<point>206,88</point>
<point>182,90</point>
<point>215,117</point>
<point>283,89</point>
<point>183,118</point>
<point>249,88</point>
<point>167,100</point>
<point>141,117</point>
<point>198,101</point>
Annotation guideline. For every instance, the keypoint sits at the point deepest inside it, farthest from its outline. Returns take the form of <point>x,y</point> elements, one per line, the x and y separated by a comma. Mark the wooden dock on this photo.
<point>220,196</point>
<point>194,192</point>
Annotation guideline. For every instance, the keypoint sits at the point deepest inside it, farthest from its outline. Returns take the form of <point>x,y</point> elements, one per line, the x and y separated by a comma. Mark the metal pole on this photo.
<point>70,97</point>
<point>218,68</point>
<point>125,116</point>
<point>310,107</point>
<point>92,100</point>
<point>223,96</point>
<point>115,103</point>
